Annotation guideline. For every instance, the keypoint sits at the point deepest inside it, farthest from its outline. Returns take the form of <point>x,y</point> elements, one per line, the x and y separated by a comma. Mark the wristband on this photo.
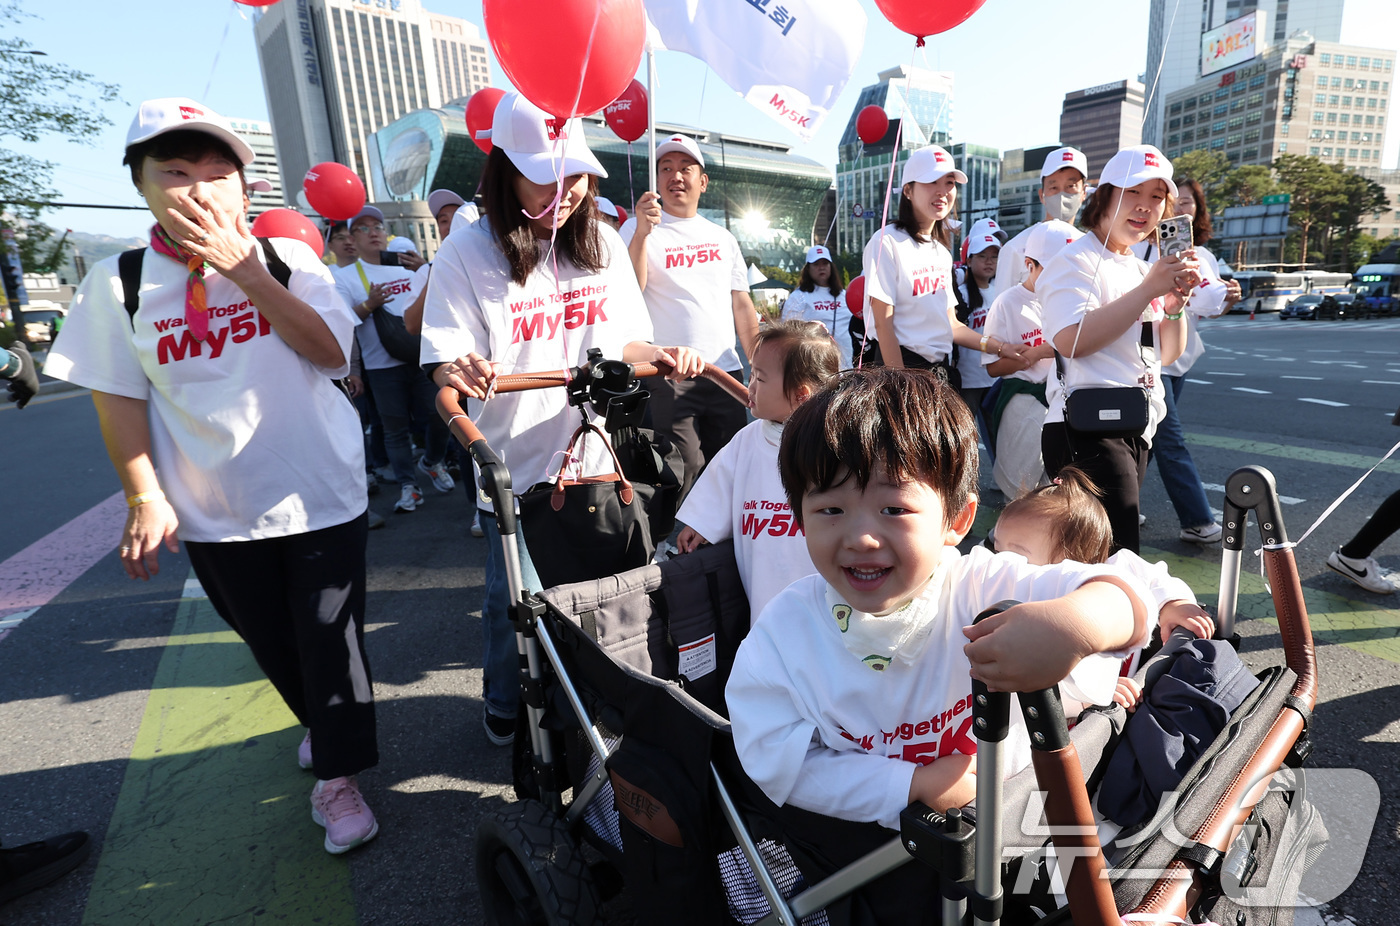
<point>983,346</point>
<point>141,498</point>
<point>1171,318</point>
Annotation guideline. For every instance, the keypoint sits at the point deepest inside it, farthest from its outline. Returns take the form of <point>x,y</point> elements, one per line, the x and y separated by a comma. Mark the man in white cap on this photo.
<point>696,285</point>
<point>1062,179</point>
<point>401,391</point>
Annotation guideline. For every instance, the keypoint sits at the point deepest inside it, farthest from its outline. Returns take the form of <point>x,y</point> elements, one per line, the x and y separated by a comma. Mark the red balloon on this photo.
<point>481,109</point>
<point>627,115</point>
<point>855,296</point>
<point>872,124</point>
<point>621,216</point>
<point>543,54</point>
<point>288,223</point>
<point>920,17</point>
<point>257,2</point>
<point>334,191</point>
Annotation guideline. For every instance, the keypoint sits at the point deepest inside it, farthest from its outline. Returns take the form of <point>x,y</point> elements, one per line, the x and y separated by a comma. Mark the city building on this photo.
<point>919,104</point>
<point>258,134</point>
<point>1018,200</point>
<point>1102,120</point>
<point>1176,29</point>
<point>768,197</point>
<point>335,71</point>
<point>1300,96</point>
<point>979,198</point>
<point>1384,224</point>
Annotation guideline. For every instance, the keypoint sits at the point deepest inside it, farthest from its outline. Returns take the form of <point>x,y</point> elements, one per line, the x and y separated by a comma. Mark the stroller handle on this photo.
<point>518,382</point>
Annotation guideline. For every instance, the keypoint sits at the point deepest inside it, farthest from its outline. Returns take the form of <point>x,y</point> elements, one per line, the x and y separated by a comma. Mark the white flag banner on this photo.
<point>789,58</point>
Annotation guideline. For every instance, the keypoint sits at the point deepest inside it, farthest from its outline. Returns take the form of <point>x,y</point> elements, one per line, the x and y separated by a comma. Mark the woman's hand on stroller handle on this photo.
<point>470,375</point>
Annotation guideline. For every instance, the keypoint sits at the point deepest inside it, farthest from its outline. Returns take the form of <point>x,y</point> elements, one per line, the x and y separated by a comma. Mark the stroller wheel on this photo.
<point>530,871</point>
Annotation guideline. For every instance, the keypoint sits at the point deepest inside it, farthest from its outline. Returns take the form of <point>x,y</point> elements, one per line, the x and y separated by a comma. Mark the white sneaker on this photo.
<point>1142,519</point>
<point>1364,572</point>
<point>438,475</point>
<point>1209,533</point>
<point>409,499</point>
<point>476,524</point>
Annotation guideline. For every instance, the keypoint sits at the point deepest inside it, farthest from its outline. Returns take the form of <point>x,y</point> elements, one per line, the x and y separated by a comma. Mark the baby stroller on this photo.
<point>629,777</point>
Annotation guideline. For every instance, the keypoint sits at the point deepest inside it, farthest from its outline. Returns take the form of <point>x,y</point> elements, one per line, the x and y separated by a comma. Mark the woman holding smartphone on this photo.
<point>1114,319</point>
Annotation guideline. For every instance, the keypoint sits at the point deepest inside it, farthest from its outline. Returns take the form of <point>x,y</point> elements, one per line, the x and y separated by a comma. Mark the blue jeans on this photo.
<point>401,393</point>
<point>500,659</point>
<point>1179,476</point>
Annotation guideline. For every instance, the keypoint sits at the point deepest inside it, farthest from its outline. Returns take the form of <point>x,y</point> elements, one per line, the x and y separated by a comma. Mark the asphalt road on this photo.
<point>93,682</point>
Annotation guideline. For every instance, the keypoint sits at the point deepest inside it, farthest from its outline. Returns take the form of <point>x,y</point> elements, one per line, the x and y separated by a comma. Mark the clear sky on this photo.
<point>205,49</point>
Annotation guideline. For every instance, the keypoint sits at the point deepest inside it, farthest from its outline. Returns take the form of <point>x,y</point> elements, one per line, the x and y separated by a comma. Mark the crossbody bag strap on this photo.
<point>276,265</point>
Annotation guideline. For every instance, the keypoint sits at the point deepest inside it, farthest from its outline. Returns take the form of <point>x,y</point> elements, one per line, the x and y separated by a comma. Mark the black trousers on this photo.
<point>698,416</point>
<point>1381,525</point>
<point>299,604</point>
<point>1116,464</point>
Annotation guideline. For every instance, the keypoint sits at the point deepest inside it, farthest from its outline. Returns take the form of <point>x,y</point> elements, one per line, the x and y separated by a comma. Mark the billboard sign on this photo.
<point>1236,42</point>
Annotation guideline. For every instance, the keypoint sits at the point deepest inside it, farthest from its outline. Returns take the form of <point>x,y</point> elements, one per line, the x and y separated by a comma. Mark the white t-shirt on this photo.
<point>1011,262</point>
<point>693,268</point>
<point>1015,316</point>
<point>399,283</point>
<point>817,306</point>
<point>914,278</point>
<point>970,365</point>
<point>252,440</point>
<point>472,305</point>
<point>1207,301</point>
<point>1082,277</point>
<point>740,495</point>
<point>815,727</point>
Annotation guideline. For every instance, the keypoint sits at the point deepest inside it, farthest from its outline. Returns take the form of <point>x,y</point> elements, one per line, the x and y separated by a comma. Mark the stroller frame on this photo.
<point>967,855</point>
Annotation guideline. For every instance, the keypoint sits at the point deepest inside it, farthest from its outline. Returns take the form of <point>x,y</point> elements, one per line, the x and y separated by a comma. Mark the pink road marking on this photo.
<point>35,575</point>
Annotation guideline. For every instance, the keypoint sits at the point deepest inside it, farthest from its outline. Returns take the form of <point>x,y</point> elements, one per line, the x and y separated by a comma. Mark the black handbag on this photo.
<point>578,530</point>
<point>395,336</point>
<point>1108,411</point>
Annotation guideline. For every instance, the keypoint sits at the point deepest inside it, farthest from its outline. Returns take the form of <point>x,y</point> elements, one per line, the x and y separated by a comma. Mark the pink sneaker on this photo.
<point>338,806</point>
<point>304,751</point>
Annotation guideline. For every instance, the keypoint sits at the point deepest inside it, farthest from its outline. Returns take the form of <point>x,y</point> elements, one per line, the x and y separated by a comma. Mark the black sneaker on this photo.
<point>499,730</point>
<point>29,867</point>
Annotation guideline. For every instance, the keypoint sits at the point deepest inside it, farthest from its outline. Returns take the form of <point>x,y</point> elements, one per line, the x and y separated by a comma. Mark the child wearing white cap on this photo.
<point>1115,320</point>
<point>1062,179</point>
<point>532,286</point>
<point>817,298</point>
<point>909,272</point>
<point>696,285</point>
<point>976,290</point>
<point>1017,417</point>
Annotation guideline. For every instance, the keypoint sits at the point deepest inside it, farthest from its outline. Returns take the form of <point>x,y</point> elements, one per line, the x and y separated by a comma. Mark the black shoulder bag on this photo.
<point>1108,411</point>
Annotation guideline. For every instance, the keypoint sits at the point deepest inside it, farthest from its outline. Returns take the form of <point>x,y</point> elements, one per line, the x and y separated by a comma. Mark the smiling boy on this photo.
<point>870,659</point>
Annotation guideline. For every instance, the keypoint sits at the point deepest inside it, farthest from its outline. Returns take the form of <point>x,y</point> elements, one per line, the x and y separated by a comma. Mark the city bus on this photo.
<point>1379,284</point>
<point>1266,290</point>
<point>1326,284</point>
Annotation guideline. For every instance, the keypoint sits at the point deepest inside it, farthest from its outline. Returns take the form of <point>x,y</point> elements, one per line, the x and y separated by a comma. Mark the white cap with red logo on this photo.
<point>929,164</point>
<point>439,199</point>
<point>976,244</point>
<point>1135,165</point>
<point>684,144</point>
<point>1061,158</point>
<point>987,227</point>
<point>1048,239</point>
<point>606,206</point>
<point>156,117</point>
<point>537,144</point>
<point>817,252</point>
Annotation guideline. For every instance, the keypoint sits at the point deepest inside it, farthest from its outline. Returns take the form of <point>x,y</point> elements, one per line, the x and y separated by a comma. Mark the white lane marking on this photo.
<point>1285,499</point>
<point>1278,359</point>
<point>1251,391</point>
<point>1386,352</point>
<point>193,589</point>
<point>1200,382</point>
<point>1319,350</point>
<point>1317,378</point>
<point>1380,382</point>
<point>13,620</point>
<point>1216,373</point>
<point>1326,402</point>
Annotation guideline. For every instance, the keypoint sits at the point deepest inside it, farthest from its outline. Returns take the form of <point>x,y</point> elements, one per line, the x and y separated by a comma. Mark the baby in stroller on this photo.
<point>869,660</point>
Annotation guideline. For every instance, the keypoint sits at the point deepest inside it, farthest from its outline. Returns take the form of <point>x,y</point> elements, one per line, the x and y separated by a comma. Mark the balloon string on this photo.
<point>233,8</point>
<point>631,191</point>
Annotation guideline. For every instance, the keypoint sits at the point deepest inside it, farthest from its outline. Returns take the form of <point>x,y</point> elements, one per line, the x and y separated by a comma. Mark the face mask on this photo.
<point>1063,206</point>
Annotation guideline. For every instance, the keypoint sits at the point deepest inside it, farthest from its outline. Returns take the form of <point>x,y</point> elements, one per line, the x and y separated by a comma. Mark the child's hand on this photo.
<point>1128,694</point>
<point>1186,614</point>
<point>947,782</point>
<point>689,540</point>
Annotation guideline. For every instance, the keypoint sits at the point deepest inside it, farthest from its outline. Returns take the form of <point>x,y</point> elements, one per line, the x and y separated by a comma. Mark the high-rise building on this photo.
<point>922,101</point>
<point>258,134</point>
<point>1299,97</point>
<point>1101,120</point>
<point>1174,45</point>
<point>335,71</point>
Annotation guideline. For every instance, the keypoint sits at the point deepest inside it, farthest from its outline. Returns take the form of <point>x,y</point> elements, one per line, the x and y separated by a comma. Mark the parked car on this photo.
<point>40,324</point>
<point>1305,306</point>
<point>1341,306</point>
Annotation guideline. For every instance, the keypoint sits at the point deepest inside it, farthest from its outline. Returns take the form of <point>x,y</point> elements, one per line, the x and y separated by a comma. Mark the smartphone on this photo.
<point>1174,236</point>
<point>391,258</point>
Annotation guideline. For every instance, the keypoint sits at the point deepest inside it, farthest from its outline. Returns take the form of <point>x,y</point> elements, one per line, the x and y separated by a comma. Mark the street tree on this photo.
<point>1357,197</point>
<point>40,99</point>
<point>1315,194</point>
<point>1209,169</point>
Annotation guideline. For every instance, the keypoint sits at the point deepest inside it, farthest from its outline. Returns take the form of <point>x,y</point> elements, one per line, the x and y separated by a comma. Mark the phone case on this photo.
<point>1174,235</point>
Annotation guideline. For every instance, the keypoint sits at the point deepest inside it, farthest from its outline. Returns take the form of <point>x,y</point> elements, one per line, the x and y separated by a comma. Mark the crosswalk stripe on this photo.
<point>1252,449</point>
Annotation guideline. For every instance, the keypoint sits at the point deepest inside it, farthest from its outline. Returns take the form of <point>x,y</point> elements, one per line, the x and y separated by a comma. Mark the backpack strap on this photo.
<point>129,270</point>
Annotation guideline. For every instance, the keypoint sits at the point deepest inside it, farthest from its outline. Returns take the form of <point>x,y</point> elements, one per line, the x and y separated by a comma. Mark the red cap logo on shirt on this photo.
<point>189,112</point>
<point>1150,160</point>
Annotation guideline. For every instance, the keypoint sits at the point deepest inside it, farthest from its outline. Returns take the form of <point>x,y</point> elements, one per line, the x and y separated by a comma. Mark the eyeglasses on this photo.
<point>368,228</point>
